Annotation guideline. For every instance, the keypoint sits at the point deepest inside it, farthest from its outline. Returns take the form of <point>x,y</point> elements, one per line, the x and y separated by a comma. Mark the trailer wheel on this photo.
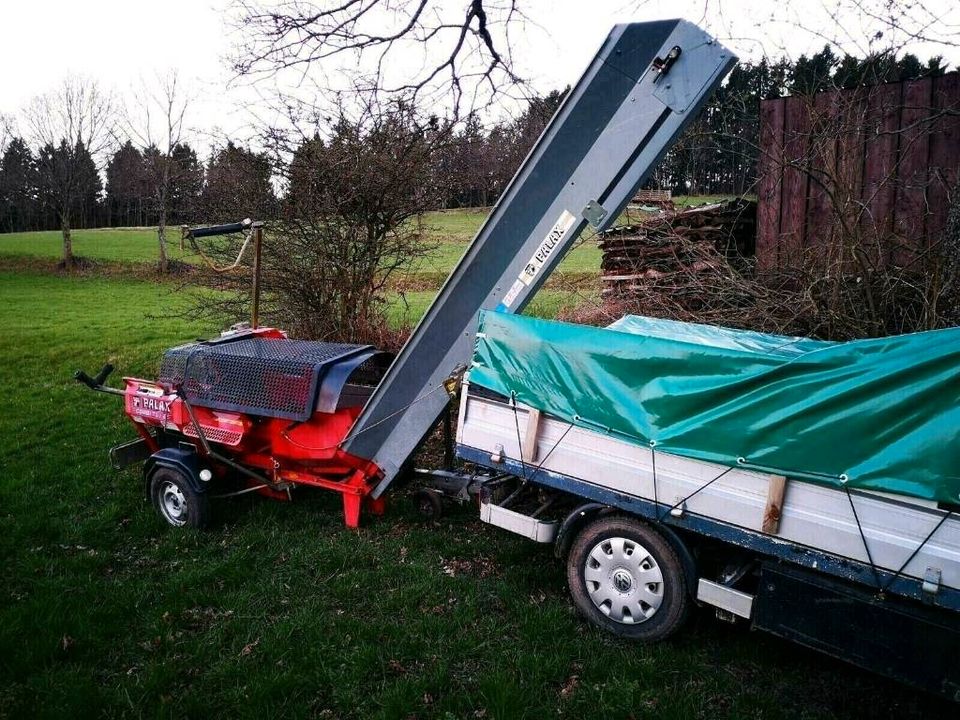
<point>626,578</point>
<point>429,504</point>
<point>176,502</point>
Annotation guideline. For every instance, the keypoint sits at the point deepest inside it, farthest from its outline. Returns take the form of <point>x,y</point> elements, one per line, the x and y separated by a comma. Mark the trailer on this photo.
<point>869,576</point>
<point>647,531</point>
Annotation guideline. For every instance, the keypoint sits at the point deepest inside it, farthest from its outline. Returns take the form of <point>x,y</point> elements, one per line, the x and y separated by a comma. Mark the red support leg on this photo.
<point>351,510</point>
<point>376,506</point>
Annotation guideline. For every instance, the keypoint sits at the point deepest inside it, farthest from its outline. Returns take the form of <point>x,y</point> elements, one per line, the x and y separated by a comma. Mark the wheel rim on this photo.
<point>173,503</point>
<point>623,580</point>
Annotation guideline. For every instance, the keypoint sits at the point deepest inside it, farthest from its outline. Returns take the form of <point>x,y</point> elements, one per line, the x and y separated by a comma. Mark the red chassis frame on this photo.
<point>281,452</point>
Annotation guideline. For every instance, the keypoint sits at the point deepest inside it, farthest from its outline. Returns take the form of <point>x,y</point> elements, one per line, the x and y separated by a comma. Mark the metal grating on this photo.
<point>174,363</point>
<point>270,377</point>
<point>214,434</point>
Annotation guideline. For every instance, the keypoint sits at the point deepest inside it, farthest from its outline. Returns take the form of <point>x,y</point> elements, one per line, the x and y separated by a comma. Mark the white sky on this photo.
<point>118,42</point>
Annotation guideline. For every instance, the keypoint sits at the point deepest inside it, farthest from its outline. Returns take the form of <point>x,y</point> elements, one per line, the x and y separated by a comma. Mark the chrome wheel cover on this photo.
<point>623,580</point>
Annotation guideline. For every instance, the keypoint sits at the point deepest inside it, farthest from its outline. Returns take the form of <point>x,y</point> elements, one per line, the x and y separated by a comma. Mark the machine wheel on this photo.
<point>429,504</point>
<point>626,578</point>
<point>176,502</point>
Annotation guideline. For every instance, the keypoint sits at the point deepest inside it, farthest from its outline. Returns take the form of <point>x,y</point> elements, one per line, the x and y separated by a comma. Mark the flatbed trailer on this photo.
<point>866,577</point>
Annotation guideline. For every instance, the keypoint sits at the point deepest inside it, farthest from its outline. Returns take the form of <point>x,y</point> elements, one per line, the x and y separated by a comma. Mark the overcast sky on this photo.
<point>118,42</point>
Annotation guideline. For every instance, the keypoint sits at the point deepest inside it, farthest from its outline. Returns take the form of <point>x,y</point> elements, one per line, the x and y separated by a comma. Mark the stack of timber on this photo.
<point>672,249</point>
<point>662,199</point>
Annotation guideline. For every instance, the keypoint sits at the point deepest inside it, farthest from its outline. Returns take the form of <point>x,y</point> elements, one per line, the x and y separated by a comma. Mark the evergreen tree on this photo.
<point>89,188</point>
<point>304,181</point>
<point>813,74</point>
<point>18,188</point>
<point>186,185</point>
<point>238,186</point>
<point>126,188</point>
<point>69,188</point>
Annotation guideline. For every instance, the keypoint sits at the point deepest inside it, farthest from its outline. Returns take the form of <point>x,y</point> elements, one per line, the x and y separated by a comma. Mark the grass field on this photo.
<point>448,231</point>
<point>278,610</point>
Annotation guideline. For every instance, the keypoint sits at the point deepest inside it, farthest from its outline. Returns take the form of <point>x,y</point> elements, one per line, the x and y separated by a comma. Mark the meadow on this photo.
<point>278,609</point>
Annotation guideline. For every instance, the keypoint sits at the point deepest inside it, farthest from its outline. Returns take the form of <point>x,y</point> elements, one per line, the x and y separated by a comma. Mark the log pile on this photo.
<point>678,251</point>
<point>662,199</point>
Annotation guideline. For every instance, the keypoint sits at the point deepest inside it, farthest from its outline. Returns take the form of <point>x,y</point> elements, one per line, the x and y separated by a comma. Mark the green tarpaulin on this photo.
<point>879,414</point>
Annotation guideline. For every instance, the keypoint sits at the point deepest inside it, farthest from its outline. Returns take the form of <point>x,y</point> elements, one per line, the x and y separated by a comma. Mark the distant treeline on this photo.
<point>471,165</point>
<point>234,183</point>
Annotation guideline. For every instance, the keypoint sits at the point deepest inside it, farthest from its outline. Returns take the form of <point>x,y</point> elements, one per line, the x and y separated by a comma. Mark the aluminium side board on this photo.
<point>647,82</point>
<point>914,546</point>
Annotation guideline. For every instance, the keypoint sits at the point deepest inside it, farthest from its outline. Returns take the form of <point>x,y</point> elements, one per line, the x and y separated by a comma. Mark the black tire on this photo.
<point>639,594</point>
<point>429,504</point>
<point>176,501</point>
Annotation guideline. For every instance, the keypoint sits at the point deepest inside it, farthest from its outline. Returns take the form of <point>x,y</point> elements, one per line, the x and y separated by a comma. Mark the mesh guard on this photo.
<point>259,376</point>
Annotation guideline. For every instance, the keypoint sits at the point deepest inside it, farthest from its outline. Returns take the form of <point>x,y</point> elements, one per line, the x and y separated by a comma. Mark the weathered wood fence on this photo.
<point>860,177</point>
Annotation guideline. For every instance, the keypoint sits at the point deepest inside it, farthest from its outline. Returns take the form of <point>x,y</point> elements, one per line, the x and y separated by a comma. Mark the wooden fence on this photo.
<point>858,177</point>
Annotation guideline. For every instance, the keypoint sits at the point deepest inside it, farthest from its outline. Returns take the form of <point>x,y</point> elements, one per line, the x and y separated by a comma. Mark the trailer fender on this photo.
<point>186,462</point>
<point>585,513</point>
<point>571,525</point>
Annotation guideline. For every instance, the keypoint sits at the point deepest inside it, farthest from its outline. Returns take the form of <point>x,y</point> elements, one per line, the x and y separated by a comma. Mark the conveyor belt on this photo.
<point>614,126</point>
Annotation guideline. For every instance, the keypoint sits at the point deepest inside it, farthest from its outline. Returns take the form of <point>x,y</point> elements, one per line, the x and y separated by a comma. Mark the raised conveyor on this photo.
<point>647,82</point>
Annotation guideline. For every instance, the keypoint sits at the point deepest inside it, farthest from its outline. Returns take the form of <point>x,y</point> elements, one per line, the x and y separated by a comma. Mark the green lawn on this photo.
<point>449,231</point>
<point>117,244</point>
<point>278,610</point>
<point>406,308</point>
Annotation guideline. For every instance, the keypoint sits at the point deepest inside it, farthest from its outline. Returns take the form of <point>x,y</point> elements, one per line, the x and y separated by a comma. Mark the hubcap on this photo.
<point>173,504</point>
<point>623,580</point>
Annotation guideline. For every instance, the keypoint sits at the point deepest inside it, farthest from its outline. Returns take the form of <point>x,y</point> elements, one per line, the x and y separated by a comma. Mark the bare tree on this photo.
<point>465,48</point>
<point>349,223</point>
<point>846,263</point>
<point>157,124</point>
<point>75,122</point>
<point>7,132</point>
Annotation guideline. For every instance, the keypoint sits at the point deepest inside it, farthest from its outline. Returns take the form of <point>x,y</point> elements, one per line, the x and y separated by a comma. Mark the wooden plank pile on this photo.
<point>675,251</point>
<point>654,198</point>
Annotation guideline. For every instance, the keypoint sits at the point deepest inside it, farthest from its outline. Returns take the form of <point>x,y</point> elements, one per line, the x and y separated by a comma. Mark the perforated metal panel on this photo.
<point>269,377</point>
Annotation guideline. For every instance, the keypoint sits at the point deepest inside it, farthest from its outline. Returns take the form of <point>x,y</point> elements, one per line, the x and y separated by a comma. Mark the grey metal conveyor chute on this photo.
<point>647,82</point>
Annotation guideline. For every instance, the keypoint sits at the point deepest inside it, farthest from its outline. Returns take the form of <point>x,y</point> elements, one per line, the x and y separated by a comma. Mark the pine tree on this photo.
<point>18,188</point>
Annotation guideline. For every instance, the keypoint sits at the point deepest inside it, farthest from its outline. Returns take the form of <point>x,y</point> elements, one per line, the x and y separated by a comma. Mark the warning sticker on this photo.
<point>553,240</point>
<point>512,294</point>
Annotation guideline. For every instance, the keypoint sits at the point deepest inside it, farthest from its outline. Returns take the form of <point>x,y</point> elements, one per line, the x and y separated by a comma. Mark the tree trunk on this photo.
<point>162,241</point>
<point>162,214</point>
<point>67,244</point>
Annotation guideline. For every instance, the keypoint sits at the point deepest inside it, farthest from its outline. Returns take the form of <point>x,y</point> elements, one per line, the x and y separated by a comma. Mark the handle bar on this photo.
<point>211,230</point>
<point>97,383</point>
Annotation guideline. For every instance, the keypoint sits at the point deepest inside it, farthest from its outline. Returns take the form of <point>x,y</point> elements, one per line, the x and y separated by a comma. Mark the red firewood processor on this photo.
<point>254,405</point>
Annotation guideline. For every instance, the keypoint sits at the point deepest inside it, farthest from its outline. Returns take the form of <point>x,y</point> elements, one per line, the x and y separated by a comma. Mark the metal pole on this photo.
<point>448,453</point>
<point>257,243</point>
